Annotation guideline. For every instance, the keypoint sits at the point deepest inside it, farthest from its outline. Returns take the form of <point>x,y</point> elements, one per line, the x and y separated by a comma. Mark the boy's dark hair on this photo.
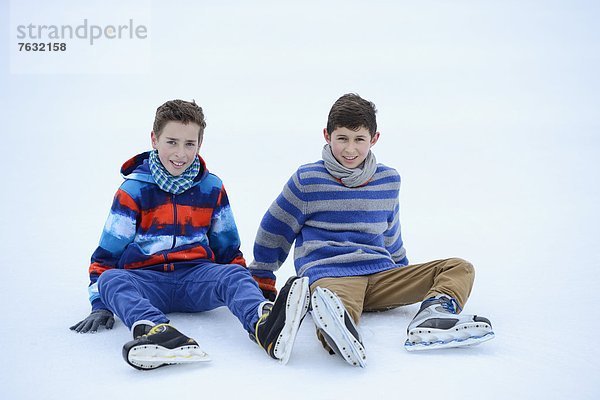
<point>353,112</point>
<point>180,111</point>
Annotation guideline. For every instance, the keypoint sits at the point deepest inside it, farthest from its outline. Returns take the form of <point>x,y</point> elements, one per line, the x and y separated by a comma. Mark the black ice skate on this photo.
<point>276,329</point>
<point>337,327</point>
<point>437,325</point>
<point>162,345</point>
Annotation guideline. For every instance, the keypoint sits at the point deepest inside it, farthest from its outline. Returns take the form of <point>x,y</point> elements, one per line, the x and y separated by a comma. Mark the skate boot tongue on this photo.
<point>141,328</point>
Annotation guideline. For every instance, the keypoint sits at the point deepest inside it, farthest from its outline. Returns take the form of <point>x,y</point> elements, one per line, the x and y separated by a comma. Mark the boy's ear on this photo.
<point>326,136</point>
<point>154,139</point>
<point>375,138</point>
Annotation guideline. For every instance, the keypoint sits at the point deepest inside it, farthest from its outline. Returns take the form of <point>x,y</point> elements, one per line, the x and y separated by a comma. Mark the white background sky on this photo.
<point>489,111</point>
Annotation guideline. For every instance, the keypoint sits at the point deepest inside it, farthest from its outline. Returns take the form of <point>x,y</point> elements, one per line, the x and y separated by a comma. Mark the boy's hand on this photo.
<point>94,320</point>
<point>269,294</point>
<point>267,287</point>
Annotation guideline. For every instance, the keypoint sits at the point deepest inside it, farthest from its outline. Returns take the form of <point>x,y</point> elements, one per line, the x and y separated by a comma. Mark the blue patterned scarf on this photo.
<point>168,182</point>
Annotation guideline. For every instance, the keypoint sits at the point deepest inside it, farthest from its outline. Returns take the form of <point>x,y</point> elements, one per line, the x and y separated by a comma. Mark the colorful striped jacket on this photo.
<point>339,231</point>
<point>148,228</point>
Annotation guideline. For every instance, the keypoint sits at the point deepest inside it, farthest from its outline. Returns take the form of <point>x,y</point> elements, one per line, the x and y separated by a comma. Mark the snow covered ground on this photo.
<point>489,110</point>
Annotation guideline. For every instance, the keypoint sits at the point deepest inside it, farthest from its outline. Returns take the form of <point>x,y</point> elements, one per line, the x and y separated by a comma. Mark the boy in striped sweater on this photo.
<point>170,244</point>
<point>342,213</point>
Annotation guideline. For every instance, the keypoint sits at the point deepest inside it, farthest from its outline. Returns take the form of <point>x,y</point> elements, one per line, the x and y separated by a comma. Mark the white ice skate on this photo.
<point>337,327</point>
<point>437,326</point>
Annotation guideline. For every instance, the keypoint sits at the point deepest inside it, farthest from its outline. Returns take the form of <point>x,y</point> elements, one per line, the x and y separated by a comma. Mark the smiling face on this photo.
<point>177,145</point>
<point>349,147</point>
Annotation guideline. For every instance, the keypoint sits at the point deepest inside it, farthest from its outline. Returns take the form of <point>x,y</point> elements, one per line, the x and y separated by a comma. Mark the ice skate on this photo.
<point>437,326</point>
<point>276,329</point>
<point>162,345</point>
<point>337,327</point>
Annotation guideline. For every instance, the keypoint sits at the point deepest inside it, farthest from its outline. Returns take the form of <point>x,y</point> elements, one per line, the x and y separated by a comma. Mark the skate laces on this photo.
<point>450,304</point>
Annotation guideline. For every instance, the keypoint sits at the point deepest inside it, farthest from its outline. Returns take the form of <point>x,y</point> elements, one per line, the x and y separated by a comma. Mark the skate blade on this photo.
<point>440,344</point>
<point>328,314</point>
<point>151,356</point>
<point>296,308</point>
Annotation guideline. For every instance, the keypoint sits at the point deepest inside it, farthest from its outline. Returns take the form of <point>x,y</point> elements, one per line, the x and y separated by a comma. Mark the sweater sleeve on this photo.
<point>277,232</point>
<point>223,235</point>
<point>393,237</point>
<point>119,231</point>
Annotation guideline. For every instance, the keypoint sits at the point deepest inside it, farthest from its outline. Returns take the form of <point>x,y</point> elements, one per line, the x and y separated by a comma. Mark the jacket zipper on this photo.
<point>174,220</point>
<point>166,252</point>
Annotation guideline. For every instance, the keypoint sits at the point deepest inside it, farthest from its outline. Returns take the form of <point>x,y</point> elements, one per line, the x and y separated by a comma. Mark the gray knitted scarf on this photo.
<point>350,177</point>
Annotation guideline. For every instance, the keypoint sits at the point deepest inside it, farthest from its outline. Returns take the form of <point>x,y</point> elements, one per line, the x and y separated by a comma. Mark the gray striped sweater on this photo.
<point>339,231</point>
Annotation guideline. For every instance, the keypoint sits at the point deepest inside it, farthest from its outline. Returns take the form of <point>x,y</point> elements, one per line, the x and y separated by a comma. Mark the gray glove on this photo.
<point>94,320</point>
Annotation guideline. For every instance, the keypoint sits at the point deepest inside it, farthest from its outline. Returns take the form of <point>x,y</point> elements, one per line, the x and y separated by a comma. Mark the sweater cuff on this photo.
<point>97,304</point>
<point>265,284</point>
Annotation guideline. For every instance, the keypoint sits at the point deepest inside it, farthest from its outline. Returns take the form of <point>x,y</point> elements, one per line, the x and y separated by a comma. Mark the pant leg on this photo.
<point>414,283</point>
<point>350,290</point>
<point>208,286</point>
<point>136,295</point>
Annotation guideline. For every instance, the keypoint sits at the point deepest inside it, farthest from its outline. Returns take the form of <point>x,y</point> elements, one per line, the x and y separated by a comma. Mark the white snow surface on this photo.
<point>489,111</point>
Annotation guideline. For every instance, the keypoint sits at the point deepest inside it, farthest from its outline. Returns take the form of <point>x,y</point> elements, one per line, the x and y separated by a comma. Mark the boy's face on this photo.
<point>350,148</point>
<point>177,145</point>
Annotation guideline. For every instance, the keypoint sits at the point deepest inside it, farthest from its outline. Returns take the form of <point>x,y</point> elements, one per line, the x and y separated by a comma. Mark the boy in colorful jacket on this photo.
<point>170,244</point>
<point>342,212</point>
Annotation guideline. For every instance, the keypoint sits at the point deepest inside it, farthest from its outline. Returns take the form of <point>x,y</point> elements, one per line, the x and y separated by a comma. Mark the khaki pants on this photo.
<point>402,286</point>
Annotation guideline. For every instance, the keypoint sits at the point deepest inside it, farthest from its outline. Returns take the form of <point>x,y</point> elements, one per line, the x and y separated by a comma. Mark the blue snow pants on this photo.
<point>136,295</point>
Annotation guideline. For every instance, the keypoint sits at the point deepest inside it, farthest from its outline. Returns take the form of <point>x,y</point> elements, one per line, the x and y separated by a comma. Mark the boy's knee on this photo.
<point>464,265</point>
<point>236,269</point>
<point>105,277</point>
<point>110,276</point>
<point>233,272</point>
